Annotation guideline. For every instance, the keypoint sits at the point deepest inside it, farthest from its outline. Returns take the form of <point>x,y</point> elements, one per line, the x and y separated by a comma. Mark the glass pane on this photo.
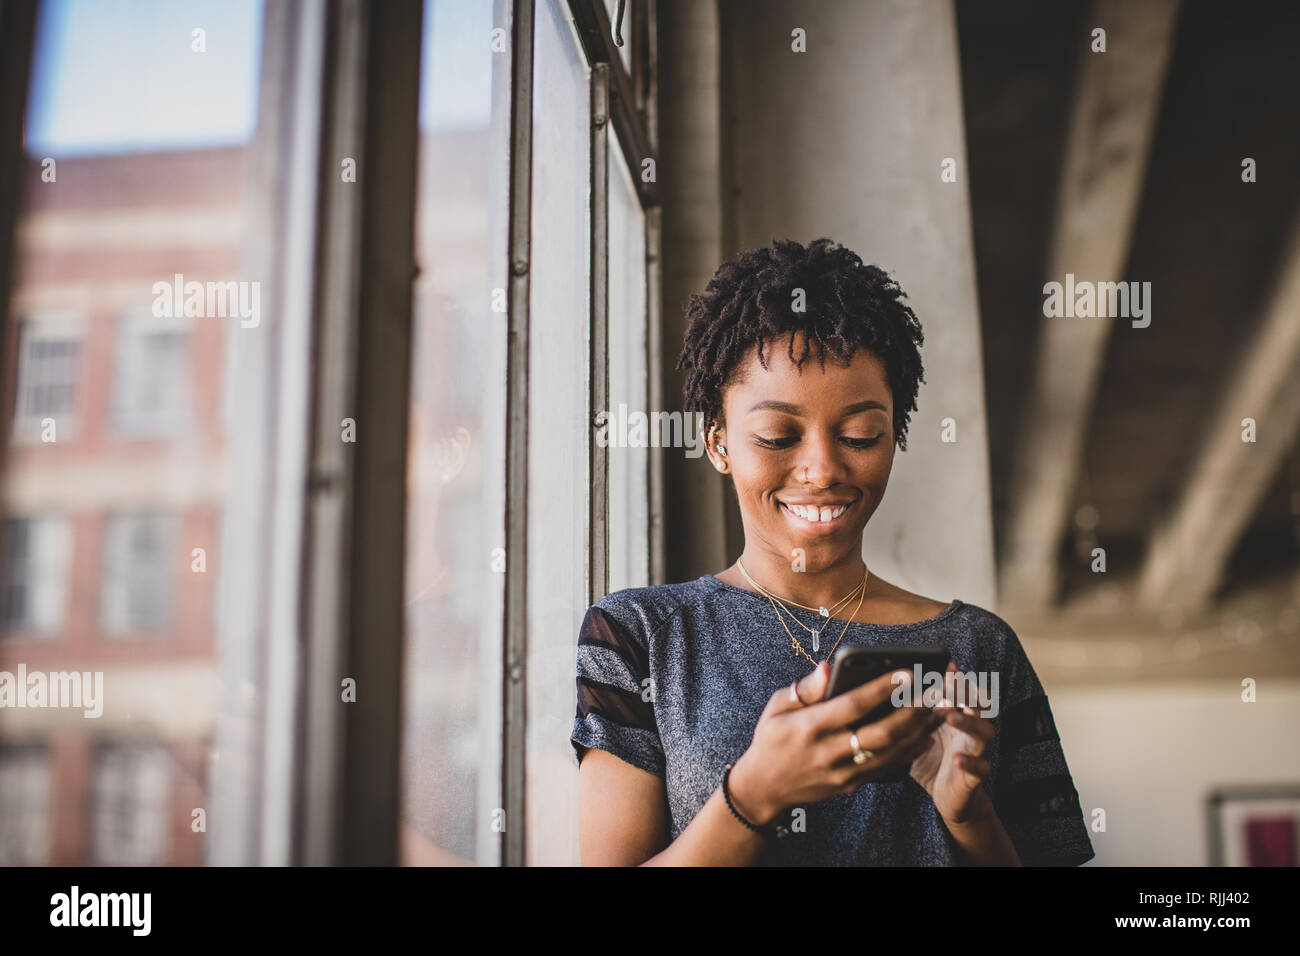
<point>456,480</point>
<point>558,480</point>
<point>24,803</point>
<point>134,187</point>
<point>629,491</point>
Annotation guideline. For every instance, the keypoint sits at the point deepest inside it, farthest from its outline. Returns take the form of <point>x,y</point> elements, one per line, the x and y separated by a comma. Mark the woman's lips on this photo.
<point>808,526</point>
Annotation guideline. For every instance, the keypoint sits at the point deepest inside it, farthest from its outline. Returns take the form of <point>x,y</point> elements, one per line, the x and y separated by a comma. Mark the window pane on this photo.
<point>456,473</point>
<point>152,377</point>
<point>137,215</point>
<point>24,805</point>
<point>34,555</point>
<point>138,571</point>
<point>48,350</point>
<point>629,491</point>
<point>130,805</point>
<point>558,479</point>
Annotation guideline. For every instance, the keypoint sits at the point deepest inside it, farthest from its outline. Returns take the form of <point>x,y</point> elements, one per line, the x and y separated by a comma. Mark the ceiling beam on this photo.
<point>1191,548</point>
<point>1113,118</point>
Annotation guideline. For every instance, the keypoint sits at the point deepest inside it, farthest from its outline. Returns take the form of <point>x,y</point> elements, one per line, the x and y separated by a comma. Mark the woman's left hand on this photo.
<point>953,767</point>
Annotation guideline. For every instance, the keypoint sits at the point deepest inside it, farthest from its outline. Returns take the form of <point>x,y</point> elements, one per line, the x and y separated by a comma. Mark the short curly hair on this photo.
<point>847,305</point>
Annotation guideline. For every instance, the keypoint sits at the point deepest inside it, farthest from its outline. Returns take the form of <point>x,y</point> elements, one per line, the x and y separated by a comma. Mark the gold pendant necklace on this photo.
<point>860,590</point>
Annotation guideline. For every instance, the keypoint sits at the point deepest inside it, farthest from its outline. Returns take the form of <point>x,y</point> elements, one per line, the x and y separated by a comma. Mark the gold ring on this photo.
<point>860,756</point>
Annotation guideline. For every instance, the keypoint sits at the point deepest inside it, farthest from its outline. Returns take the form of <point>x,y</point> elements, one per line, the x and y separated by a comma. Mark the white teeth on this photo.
<point>816,515</point>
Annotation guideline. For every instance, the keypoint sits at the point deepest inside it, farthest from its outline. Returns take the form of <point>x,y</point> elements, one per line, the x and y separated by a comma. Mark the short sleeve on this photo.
<point>615,703</point>
<point>1034,794</point>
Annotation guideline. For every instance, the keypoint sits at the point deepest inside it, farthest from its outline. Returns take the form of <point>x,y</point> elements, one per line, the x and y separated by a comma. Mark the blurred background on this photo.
<point>1093,482</point>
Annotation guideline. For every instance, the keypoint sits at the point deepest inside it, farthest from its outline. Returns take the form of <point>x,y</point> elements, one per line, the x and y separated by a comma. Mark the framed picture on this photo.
<point>1254,826</point>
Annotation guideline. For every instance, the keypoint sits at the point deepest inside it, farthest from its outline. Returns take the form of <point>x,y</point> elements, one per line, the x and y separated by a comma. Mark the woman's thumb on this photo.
<point>813,687</point>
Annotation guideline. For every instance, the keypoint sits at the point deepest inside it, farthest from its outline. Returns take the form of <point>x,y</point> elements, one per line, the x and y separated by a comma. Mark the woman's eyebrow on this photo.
<point>797,410</point>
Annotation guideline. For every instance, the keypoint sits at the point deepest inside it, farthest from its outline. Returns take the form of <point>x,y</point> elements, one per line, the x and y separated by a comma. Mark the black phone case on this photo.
<point>856,665</point>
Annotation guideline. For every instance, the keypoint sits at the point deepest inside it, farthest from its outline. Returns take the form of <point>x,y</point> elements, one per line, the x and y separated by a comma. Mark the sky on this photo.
<point>120,76</point>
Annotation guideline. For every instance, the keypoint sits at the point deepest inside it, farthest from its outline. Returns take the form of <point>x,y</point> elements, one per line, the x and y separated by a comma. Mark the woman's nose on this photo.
<point>820,465</point>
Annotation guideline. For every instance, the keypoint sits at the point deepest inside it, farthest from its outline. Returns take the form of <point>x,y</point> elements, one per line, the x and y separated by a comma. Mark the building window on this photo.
<point>34,554</point>
<point>129,805</point>
<point>151,391</point>
<point>48,357</point>
<point>138,572</point>
<point>24,806</point>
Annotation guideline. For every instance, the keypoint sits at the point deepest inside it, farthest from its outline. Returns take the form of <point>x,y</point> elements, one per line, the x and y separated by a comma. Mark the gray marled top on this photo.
<point>673,678</point>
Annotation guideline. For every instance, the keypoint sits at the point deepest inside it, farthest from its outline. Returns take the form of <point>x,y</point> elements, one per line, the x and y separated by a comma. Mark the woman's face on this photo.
<point>817,441</point>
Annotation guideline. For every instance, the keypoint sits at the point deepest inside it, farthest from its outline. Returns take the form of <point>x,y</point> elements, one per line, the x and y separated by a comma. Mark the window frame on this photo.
<point>613,103</point>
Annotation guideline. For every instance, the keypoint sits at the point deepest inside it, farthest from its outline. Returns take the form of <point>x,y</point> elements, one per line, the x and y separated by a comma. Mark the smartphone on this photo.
<point>857,664</point>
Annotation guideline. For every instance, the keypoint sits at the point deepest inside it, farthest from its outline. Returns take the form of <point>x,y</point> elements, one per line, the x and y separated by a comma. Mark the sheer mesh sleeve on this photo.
<point>615,702</point>
<point>1034,796</point>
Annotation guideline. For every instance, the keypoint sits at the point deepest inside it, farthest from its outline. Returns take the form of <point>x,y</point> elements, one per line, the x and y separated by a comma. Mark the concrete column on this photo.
<point>848,140</point>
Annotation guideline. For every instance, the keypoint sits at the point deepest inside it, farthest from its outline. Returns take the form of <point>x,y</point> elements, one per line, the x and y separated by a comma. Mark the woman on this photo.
<point>702,734</point>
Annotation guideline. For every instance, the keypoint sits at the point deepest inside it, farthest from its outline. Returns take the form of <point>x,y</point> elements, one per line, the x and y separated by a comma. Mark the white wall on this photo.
<point>1149,755</point>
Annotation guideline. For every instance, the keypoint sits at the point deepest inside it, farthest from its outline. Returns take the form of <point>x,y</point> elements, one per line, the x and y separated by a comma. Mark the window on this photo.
<point>34,553</point>
<point>130,815</point>
<point>24,805</point>
<point>456,470</point>
<point>127,185</point>
<point>138,572</point>
<point>629,463</point>
<point>221,505</point>
<point>47,380</point>
<point>456,509</point>
<point>559,483</point>
<point>153,375</point>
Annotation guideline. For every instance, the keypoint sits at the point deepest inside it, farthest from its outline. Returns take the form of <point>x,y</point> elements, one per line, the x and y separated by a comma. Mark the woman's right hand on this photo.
<point>801,751</point>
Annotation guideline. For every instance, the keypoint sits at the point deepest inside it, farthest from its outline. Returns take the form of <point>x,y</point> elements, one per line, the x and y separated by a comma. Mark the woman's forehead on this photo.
<point>862,377</point>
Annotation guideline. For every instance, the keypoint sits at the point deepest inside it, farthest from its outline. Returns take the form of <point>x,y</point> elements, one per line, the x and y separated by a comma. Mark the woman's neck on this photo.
<point>823,587</point>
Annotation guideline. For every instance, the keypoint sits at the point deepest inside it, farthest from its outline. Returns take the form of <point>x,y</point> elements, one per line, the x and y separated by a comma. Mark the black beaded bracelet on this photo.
<point>778,830</point>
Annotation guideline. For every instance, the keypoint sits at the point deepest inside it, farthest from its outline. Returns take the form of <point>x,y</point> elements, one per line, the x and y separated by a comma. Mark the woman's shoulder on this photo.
<point>645,610</point>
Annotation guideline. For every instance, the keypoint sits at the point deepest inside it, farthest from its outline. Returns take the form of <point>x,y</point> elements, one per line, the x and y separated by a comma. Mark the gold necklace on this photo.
<point>794,641</point>
<point>823,611</point>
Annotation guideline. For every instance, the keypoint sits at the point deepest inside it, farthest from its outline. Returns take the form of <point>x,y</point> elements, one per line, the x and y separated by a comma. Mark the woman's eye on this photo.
<point>787,442</point>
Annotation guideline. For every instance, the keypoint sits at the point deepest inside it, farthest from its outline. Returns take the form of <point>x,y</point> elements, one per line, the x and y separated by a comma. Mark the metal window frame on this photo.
<point>630,104</point>
<point>598,336</point>
<point>349,784</point>
<point>17,38</point>
<point>514,699</point>
<point>630,107</point>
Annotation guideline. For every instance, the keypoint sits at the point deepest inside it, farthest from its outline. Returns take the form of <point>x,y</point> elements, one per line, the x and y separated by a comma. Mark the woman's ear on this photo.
<point>716,446</point>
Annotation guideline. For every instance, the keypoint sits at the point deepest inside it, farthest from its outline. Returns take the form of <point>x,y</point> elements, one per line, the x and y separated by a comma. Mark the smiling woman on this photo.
<point>701,738</point>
